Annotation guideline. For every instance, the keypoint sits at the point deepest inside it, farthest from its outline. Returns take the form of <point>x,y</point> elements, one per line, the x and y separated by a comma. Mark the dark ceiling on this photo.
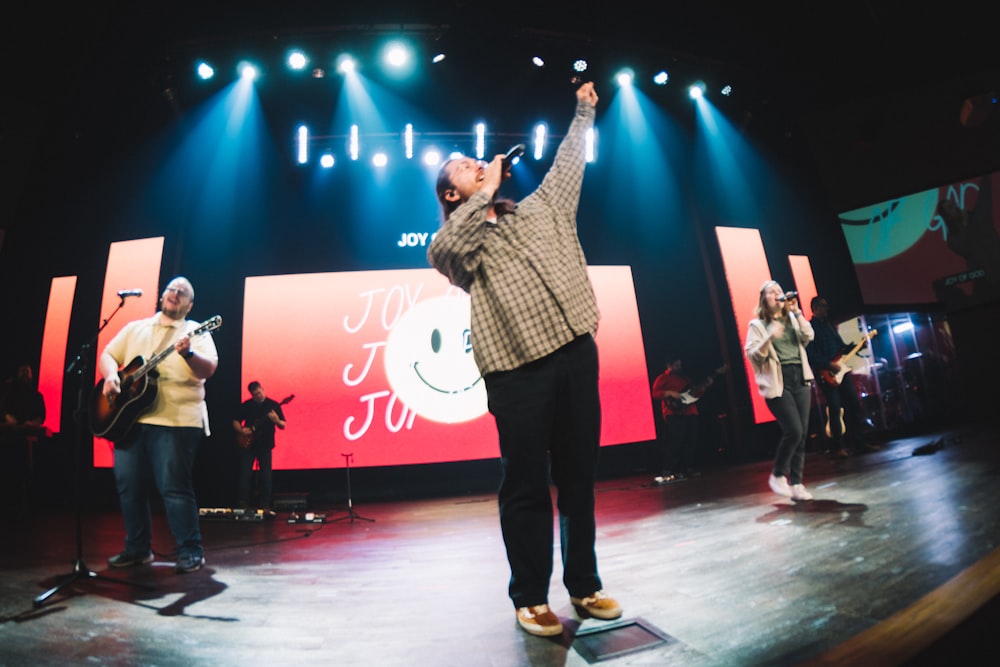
<point>833,72</point>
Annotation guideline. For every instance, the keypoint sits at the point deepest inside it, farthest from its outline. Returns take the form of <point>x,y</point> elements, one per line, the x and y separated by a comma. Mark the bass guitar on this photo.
<point>113,416</point>
<point>694,392</point>
<point>244,440</point>
<point>834,379</point>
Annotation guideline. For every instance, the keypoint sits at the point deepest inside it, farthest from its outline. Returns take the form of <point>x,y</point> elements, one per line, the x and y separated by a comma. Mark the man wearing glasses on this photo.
<point>160,447</point>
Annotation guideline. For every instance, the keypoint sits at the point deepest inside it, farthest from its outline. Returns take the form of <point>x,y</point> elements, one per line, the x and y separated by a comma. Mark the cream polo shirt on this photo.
<point>180,397</point>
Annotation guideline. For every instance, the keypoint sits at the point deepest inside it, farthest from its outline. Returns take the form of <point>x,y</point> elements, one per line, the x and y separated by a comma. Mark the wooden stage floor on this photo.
<point>890,564</point>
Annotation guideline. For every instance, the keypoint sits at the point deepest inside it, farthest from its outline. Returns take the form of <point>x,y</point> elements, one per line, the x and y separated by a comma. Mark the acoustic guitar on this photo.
<point>244,440</point>
<point>114,415</point>
<point>834,379</point>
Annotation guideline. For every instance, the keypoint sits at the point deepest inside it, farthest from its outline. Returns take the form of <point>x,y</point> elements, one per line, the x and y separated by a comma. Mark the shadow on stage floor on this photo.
<point>892,563</point>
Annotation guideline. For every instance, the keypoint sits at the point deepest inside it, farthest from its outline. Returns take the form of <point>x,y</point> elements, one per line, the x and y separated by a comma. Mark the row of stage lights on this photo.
<point>432,156</point>
<point>399,58</point>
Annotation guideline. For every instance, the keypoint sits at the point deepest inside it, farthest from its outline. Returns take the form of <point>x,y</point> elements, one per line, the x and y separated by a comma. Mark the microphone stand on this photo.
<point>351,514</point>
<point>79,367</point>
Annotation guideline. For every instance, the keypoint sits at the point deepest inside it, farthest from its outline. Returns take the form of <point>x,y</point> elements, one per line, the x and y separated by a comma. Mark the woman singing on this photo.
<point>775,347</point>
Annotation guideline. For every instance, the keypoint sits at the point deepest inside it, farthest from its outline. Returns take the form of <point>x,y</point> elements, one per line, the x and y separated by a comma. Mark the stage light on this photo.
<point>438,58</point>
<point>380,159</point>
<point>580,65</point>
<point>432,157</point>
<point>326,160</point>
<point>318,73</point>
<point>346,64</point>
<point>625,77</point>
<point>456,155</point>
<point>408,141</point>
<point>480,140</point>
<point>661,78</point>
<point>353,145</point>
<point>902,327</point>
<point>590,145</point>
<point>297,60</point>
<point>302,140</point>
<point>248,72</point>
<point>696,90</point>
<point>205,71</point>
<point>727,90</point>
<point>538,62</point>
<point>539,141</point>
<point>396,54</point>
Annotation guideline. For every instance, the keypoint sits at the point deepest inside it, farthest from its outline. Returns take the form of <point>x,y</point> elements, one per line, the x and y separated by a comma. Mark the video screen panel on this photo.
<point>378,364</point>
<point>937,246</point>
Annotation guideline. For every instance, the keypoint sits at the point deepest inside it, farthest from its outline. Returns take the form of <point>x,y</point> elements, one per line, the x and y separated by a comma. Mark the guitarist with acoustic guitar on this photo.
<point>828,355</point>
<point>255,423</point>
<point>678,440</point>
<point>156,419</point>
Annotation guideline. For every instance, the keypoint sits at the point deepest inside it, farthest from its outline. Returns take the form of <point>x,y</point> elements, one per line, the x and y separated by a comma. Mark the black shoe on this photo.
<point>189,562</point>
<point>128,559</point>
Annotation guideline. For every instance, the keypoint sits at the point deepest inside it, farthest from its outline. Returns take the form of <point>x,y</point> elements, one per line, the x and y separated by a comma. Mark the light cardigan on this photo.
<point>764,358</point>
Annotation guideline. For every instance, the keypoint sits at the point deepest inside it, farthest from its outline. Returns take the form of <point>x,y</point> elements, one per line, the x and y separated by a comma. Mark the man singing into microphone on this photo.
<point>160,448</point>
<point>533,322</point>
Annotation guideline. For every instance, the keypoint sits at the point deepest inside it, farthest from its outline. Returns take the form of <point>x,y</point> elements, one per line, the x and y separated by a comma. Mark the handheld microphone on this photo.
<point>788,295</point>
<point>122,293</point>
<point>512,153</point>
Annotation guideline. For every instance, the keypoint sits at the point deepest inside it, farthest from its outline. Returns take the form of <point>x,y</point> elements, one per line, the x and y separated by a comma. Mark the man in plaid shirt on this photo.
<point>534,317</point>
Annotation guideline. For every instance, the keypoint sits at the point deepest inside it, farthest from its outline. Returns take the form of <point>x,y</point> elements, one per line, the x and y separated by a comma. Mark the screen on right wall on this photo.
<point>940,246</point>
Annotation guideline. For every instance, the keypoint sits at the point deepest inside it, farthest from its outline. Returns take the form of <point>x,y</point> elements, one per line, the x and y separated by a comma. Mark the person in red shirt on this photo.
<point>678,434</point>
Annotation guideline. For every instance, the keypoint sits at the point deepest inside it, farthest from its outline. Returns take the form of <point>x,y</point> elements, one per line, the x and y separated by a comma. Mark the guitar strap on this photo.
<point>162,343</point>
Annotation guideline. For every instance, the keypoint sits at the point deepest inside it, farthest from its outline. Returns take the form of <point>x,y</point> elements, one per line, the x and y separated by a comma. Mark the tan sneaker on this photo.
<point>539,620</point>
<point>598,605</point>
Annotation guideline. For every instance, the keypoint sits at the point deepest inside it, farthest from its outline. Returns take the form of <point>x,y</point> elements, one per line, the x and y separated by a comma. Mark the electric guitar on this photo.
<point>694,392</point>
<point>834,379</point>
<point>244,440</point>
<point>113,416</point>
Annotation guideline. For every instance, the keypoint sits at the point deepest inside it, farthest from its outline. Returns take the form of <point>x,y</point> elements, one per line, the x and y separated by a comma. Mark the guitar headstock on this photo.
<point>287,399</point>
<point>210,324</point>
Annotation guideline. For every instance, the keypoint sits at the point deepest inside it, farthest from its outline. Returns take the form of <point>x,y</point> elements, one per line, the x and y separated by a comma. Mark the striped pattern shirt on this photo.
<point>526,273</point>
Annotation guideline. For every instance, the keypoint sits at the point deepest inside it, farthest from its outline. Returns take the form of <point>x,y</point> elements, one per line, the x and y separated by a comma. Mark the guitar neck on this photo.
<point>208,325</point>
<point>152,363</point>
<point>856,348</point>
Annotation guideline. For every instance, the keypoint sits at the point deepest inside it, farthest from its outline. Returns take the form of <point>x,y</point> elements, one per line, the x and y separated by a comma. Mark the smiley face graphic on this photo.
<point>429,363</point>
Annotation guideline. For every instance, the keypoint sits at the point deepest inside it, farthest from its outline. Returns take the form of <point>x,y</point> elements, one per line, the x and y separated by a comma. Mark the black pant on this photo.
<point>791,409</point>
<point>843,396</point>
<point>262,453</point>
<point>548,416</point>
<point>678,443</point>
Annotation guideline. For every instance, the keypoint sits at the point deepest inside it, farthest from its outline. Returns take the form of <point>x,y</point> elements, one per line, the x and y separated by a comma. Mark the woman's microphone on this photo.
<point>788,295</point>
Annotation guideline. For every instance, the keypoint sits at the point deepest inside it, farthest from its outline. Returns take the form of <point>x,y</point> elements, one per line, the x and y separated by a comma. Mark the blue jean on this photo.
<point>791,410</point>
<point>163,457</point>
<point>548,416</point>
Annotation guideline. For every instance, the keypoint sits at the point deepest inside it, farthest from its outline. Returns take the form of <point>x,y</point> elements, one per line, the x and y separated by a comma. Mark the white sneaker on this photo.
<point>780,486</point>
<point>799,493</point>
